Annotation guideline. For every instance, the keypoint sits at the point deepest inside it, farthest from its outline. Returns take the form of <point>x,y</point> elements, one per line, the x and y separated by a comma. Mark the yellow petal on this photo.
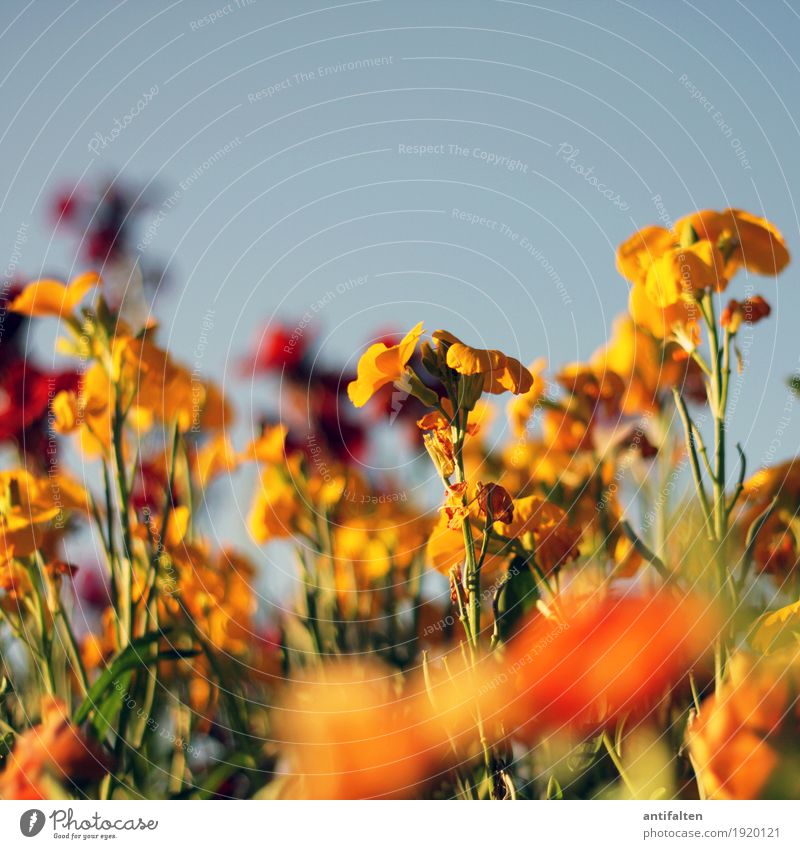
<point>52,298</point>
<point>381,364</point>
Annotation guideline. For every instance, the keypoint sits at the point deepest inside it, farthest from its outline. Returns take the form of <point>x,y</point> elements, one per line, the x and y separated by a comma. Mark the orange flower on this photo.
<point>350,737</point>
<point>269,447</point>
<point>685,272</point>
<point>553,540</point>
<point>54,298</point>
<point>749,241</point>
<point>445,549</point>
<point>381,364</point>
<point>777,550</point>
<point>276,508</point>
<point>50,758</point>
<point>642,361</point>
<point>738,742</point>
<point>501,373</point>
<point>213,459</point>
<point>682,316</point>
<point>605,659</point>
<point>636,254</point>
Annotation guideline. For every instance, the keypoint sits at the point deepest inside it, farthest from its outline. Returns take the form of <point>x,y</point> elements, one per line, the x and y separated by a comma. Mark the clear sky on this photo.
<point>441,149</point>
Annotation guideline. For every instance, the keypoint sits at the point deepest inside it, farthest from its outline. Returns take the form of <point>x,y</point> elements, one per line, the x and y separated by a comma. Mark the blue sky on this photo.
<point>438,149</point>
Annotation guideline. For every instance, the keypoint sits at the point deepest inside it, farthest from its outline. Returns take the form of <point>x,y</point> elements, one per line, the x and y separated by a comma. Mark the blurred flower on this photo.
<point>50,759</point>
<point>642,361</point>
<point>276,506</point>
<point>777,547</point>
<point>349,736</point>
<point>742,741</point>
<point>603,660</point>
<point>53,298</point>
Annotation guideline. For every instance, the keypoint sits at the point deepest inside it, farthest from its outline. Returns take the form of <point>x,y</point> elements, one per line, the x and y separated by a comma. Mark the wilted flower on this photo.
<point>495,503</point>
<point>748,311</point>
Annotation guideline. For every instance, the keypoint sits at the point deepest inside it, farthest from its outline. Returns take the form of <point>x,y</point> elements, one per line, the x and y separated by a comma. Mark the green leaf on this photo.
<point>554,790</point>
<point>132,657</point>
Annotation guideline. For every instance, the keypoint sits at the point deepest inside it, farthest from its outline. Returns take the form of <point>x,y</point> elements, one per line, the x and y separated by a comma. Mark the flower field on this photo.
<point>604,604</point>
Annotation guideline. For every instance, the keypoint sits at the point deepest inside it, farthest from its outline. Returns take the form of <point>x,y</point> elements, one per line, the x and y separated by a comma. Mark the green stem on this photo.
<point>617,761</point>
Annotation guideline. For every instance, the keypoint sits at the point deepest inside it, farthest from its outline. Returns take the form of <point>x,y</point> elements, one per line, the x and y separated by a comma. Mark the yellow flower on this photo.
<point>52,297</point>
<point>269,447</point>
<point>685,272</point>
<point>30,507</point>
<point>381,364</point>
<point>749,241</point>
<point>501,373</point>
<point>642,361</point>
<point>66,412</point>
<point>683,315</point>
<point>359,552</point>
<point>215,458</point>
<point>636,254</point>
<point>445,549</point>
<point>454,507</point>
<point>276,508</point>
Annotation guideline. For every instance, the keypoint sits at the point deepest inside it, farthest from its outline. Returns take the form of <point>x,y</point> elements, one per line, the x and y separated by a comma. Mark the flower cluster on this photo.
<point>582,598</point>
